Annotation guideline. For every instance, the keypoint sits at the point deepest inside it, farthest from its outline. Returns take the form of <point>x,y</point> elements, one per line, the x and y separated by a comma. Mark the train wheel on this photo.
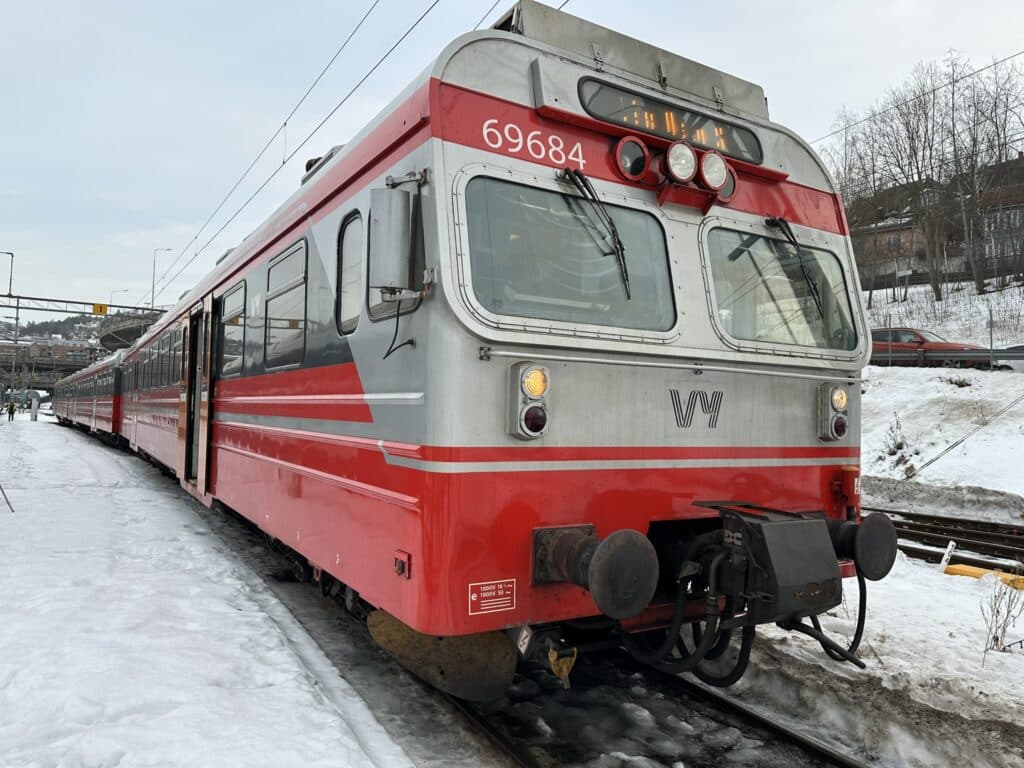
<point>327,584</point>
<point>299,569</point>
<point>274,545</point>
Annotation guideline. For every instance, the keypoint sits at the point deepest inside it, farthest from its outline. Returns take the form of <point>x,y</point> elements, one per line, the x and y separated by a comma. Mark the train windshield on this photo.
<point>769,290</point>
<point>544,254</point>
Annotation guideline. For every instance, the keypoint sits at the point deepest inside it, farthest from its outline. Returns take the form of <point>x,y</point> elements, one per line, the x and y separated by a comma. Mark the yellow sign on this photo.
<point>99,309</point>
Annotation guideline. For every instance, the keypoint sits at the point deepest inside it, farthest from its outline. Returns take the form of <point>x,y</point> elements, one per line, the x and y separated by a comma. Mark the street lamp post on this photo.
<point>152,290</point>
<point>112,293</point>
<point>10,279</point>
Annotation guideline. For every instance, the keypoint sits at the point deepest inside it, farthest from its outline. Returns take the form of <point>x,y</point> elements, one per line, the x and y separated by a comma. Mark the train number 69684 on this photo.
<point>551,147</point>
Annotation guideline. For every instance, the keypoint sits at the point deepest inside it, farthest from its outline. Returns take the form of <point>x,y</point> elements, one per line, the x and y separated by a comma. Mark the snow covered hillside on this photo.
<point>910,415</point>
<point>130,636</point>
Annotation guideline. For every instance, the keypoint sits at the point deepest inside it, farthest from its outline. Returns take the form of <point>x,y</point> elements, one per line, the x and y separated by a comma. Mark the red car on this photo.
<point>899,341</point>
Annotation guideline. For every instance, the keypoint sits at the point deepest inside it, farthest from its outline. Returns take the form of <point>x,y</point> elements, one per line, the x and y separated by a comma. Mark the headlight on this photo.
<point>713,171</point>
<point>534,383</point>
<point>839,398</point>
<point>681,162</point>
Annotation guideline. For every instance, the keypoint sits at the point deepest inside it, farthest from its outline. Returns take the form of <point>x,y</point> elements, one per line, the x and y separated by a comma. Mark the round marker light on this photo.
<point>839,399</point>
<point>681,162</point>
<point>535,419</point>
<point>632,157</point>
<point>713,171</point>
<point>534,382</point>
<point>839,425</point>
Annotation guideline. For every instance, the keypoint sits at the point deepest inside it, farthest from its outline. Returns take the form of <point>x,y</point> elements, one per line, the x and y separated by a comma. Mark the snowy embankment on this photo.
<point>911,415</point>
<point>129,636</point>
<point>925,634</point>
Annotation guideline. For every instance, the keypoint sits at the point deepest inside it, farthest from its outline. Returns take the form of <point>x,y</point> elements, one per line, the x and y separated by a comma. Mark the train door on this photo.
<point>196,411</point>
<point>132,404</point>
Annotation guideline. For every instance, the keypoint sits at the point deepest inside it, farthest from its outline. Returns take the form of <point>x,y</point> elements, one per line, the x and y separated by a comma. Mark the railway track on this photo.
<point>978,542</point>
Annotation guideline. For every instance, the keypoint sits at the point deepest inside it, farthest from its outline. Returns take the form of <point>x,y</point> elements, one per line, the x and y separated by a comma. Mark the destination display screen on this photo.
<point>660,118</point>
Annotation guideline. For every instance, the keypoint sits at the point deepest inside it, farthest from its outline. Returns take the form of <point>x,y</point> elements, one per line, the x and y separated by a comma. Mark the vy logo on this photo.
<point>710,404</point>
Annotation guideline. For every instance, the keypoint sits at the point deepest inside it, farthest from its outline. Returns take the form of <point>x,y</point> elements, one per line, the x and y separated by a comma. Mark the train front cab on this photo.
<point>659,432</point>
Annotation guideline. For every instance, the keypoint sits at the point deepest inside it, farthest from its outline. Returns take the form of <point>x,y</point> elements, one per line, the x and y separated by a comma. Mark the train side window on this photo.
<point>231,332</point>
<point>175,355</point>
<point>350,273</point>
<point>165,360</point>
<point>284,341</point>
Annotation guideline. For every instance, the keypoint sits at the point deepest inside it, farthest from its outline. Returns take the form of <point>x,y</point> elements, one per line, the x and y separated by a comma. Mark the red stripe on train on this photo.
<point>463,113</point>
<point>332,392</point>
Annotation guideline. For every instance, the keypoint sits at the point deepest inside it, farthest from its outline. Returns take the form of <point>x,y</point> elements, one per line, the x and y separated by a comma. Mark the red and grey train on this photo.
<point>564,344</point>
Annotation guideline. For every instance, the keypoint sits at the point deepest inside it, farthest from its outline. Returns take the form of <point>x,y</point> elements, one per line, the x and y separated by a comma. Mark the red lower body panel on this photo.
<point>347,505</point>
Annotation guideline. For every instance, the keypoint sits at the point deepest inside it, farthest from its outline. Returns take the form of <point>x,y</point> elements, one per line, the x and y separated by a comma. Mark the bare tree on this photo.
<point>937,151</point>
<point>982,116</point>
<point>909,124</point>
<point>1000,611</point>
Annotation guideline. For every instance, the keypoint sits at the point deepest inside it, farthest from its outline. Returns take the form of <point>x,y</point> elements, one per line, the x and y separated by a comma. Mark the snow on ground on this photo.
<point>911,415</point>
<point>925,634</point>
<point>928,697</point>
<point>962,315</point>
<point>130,636</point>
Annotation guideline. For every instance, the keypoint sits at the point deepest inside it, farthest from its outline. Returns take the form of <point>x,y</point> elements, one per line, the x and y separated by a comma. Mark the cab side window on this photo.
<point>231,332</point>
<point>285,339</point>
<point>350,273</point>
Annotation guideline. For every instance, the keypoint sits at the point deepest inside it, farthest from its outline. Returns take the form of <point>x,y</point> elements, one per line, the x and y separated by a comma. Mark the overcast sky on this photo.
<point>123,124</point>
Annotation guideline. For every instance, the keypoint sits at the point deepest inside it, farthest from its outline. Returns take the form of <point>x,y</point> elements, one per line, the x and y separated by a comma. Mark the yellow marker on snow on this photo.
<point>1017,582</point>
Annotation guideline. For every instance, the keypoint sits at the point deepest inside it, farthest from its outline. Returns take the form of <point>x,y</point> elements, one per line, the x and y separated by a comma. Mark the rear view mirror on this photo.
<point>391,240</point>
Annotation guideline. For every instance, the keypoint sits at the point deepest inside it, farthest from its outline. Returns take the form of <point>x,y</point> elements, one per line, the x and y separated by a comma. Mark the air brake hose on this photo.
<point>739,668</point>
<point>687,661</point>
<point>862,610</point>
<point>653,655</point>
<point>659,654</point>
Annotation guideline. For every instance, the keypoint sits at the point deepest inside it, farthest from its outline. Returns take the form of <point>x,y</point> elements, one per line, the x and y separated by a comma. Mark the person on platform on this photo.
<point>11,408</point>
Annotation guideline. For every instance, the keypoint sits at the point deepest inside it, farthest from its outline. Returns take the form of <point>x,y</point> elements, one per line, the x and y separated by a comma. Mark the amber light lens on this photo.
<point>535,419</point>
<point>535,383</point>
<point>839,399</point>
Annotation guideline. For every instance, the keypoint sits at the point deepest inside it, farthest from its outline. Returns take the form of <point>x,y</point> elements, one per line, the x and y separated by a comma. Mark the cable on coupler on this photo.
<point>661,657</point>
<point>862,611</point>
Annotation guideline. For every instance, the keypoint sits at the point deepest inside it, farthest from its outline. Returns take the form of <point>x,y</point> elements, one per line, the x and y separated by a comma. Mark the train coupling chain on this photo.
<point>561,661</point>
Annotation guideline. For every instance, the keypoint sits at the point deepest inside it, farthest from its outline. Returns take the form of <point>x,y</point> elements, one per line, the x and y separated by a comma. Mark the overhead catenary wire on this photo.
<point>917,96</point>
<point>281,129</point>
<point>914,471</point>
<point>488,13</point>
<point>303,143</point>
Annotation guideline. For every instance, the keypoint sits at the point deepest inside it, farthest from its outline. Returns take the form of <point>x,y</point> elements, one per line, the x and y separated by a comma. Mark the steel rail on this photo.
<point>517,752</point>
<point>978,537</point>
<point>809,743</point>
<point>1009,529</point>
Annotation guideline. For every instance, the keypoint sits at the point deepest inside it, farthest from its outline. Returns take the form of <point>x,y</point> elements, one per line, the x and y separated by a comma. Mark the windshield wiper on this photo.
<point>582,183</point>
<point>780,223</point>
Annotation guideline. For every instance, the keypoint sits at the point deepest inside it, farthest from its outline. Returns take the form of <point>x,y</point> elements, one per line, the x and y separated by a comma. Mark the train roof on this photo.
<point>548,28</point>
<point>99,365</point>
<point>614,50</point>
